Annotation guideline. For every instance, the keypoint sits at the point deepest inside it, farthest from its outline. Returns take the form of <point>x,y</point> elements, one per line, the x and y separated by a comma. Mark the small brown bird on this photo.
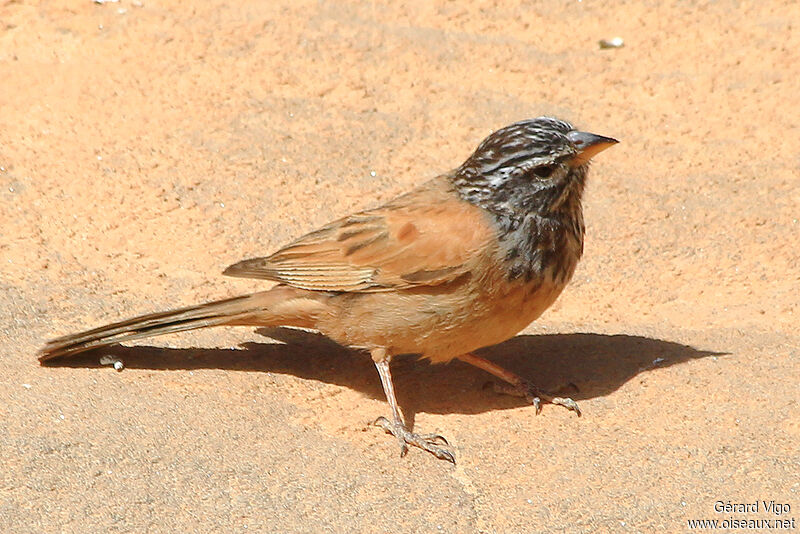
<point>466,260</point>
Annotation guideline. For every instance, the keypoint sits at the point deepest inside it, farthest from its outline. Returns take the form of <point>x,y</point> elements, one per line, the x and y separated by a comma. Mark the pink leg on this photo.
<point>518,386</point>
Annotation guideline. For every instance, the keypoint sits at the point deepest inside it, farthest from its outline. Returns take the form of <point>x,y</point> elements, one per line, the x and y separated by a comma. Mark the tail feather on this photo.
<point>228,311</point>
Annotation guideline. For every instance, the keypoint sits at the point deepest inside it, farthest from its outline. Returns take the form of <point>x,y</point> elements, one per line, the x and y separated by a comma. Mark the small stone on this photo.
<point>116,363</point>
<point>615,42</point>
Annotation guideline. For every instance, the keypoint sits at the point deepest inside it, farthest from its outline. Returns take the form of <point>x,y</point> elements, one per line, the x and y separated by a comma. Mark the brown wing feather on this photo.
<point>427,237</point>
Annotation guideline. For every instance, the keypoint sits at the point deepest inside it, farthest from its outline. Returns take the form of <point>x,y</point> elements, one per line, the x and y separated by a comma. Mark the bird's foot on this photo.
<point>535,395</point>
<point>428,442</point>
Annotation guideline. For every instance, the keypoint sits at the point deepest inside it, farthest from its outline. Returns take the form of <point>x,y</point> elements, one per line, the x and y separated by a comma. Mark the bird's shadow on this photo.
<point>582,366</point>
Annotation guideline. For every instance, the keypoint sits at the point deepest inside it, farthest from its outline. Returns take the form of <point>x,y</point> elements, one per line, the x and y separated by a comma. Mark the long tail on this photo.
<point>248,309</point>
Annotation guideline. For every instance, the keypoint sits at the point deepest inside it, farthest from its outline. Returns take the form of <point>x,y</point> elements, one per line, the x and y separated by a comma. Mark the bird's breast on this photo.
<point>536,250</point>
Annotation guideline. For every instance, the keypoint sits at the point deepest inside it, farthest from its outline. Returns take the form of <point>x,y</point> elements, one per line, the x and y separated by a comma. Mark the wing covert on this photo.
<point>425,238</point>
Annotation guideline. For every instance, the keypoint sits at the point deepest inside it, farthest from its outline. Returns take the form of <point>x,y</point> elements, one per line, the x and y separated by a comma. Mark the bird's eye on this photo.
<point>544,171</point>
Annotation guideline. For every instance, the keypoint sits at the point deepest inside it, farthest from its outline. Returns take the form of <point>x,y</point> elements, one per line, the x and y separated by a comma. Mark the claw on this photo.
<point>567,403</point>
<point>381,421</point>
<point>537,405</point>
<point>446,455</point>
<point>427,442</point>
<point>536,396</point>
<point>435,437</point>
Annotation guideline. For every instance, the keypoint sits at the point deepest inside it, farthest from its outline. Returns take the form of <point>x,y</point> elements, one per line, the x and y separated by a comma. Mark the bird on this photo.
<point>466,260</point>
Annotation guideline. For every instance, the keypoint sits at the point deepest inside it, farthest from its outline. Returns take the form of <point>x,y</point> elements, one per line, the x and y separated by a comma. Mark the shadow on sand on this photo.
<point>582,366</point>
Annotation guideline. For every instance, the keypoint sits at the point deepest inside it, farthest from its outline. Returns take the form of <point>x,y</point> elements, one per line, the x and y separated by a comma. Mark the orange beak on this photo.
<point>588,144</point>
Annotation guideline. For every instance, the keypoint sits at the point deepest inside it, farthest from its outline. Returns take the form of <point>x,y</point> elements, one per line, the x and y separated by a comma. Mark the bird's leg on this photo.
<point>518,386</point>
<point>397,427</point>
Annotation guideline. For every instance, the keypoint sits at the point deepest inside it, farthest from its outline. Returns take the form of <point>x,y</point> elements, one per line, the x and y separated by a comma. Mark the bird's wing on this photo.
<point>425,238</point>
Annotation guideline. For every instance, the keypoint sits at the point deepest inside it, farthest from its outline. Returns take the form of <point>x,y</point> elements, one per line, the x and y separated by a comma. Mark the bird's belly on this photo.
<point>494,323</point>
<point>438,324</point>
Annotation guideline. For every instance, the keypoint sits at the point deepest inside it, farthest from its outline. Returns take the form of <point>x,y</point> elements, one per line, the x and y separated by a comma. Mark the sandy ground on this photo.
<point>146,146</point>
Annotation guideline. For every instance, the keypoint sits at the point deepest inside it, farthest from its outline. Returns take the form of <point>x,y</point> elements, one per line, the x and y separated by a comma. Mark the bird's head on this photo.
<point>533,165</point>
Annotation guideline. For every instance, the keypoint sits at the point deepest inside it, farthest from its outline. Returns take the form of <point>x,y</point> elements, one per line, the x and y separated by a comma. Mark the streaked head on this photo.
<point>535,164</point>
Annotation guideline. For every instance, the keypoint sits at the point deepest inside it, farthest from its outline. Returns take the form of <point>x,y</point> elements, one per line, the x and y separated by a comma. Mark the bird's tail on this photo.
<point>247,309</point>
